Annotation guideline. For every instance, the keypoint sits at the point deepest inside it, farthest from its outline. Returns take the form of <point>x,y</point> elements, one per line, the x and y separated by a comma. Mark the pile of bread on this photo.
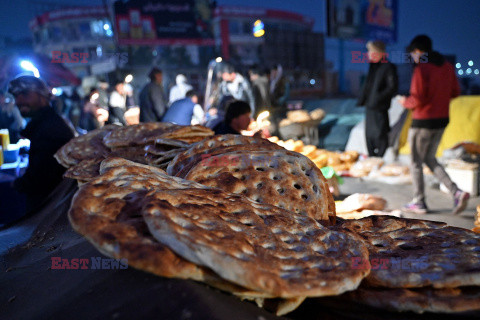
<point>339,161</point>
<point>251,218</point>
<point>302,116</point>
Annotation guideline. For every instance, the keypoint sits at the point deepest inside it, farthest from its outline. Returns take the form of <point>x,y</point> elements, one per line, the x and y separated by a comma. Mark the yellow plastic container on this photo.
<point>5,138</point>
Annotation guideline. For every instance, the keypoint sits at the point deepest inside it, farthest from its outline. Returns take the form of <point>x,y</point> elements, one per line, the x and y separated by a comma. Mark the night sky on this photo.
<point>453,25</point>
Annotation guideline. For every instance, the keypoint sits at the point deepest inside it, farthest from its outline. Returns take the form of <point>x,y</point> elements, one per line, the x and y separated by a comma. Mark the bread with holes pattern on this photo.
<point>87,146</point>
<point>281,178</point>
<point>257,246</point>
<point>418,300</point>
<point>416,253</point>
<point>107,212</point>
<point>183,162</point>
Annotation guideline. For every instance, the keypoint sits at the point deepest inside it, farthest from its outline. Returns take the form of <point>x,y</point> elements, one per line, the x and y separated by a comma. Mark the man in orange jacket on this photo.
<point>433,85</point>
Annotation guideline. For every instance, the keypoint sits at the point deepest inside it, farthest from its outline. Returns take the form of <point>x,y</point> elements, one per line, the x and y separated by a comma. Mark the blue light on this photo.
<point>27,65</point>
<point>106,27</point>
<point>312,81</point>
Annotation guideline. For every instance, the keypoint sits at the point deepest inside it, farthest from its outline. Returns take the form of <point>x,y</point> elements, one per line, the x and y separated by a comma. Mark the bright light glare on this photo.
<point>470,63</point>
<point>128,78</point>
<point>312,81</point>
<point>458,65</point>
<point>218,60</point>
<point>27,65</point>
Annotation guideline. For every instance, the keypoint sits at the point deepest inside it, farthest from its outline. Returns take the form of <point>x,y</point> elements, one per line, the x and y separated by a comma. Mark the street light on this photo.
<point>27,65</point>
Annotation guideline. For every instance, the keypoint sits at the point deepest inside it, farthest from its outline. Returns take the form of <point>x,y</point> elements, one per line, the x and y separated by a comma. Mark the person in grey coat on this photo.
<point>153,102</point>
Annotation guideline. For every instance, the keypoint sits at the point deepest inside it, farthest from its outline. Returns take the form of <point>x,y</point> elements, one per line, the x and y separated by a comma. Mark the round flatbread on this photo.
<point>83,147</point>
<point>281,178</point>
<point>257,246</point>
<point>411,253</point>
<point>419,300</point>
<point>182,163</point>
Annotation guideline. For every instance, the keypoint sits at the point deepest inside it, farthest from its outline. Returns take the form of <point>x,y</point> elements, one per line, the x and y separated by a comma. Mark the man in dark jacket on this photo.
<point>434,84</point>
<point>47,132</point>
<point>379,88</point>
<point>185,111</point>
<point>153,102</point>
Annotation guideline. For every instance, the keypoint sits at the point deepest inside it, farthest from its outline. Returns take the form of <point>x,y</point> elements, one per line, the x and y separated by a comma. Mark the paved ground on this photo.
<point>438,202</point>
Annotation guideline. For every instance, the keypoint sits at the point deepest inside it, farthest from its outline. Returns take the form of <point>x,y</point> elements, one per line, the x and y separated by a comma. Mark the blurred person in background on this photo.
<point>433,85</point>
<point>279,88</point>
<point>153,103</point>
<point>380,87</point>
<point>47,132</point>
<point>237,118</point>
<point>235,85</point>
<point>93,116</point>
<point>185,111</point>
<point>180,89</point>
<point>10,117</point>
<point>103,94</point>
<point>260,88</point>
<point>279,94</point>
<point>118,104</point>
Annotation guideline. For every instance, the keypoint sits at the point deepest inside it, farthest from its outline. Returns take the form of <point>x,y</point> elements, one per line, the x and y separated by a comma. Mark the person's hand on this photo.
<point>401,100</point>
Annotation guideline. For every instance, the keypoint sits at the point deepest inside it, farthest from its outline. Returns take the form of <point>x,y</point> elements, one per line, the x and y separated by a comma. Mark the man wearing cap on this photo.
<point>433,85</point>
<point>152,98</point>
<point>379,88</point>
<point>47,132</point>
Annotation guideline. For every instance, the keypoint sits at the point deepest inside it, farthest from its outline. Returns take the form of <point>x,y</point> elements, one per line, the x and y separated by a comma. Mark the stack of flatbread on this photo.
<point>417,265</point>
<point>174,227</point>
<point>248,217</point>
<point>148,143</point>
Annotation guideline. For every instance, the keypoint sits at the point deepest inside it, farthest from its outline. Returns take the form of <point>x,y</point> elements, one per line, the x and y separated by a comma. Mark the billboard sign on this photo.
<point>150,22</point>
<point>363,19</point>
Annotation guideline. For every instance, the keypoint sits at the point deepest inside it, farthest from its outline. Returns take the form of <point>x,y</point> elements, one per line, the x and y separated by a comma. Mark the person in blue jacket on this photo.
<point>185,111</point>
